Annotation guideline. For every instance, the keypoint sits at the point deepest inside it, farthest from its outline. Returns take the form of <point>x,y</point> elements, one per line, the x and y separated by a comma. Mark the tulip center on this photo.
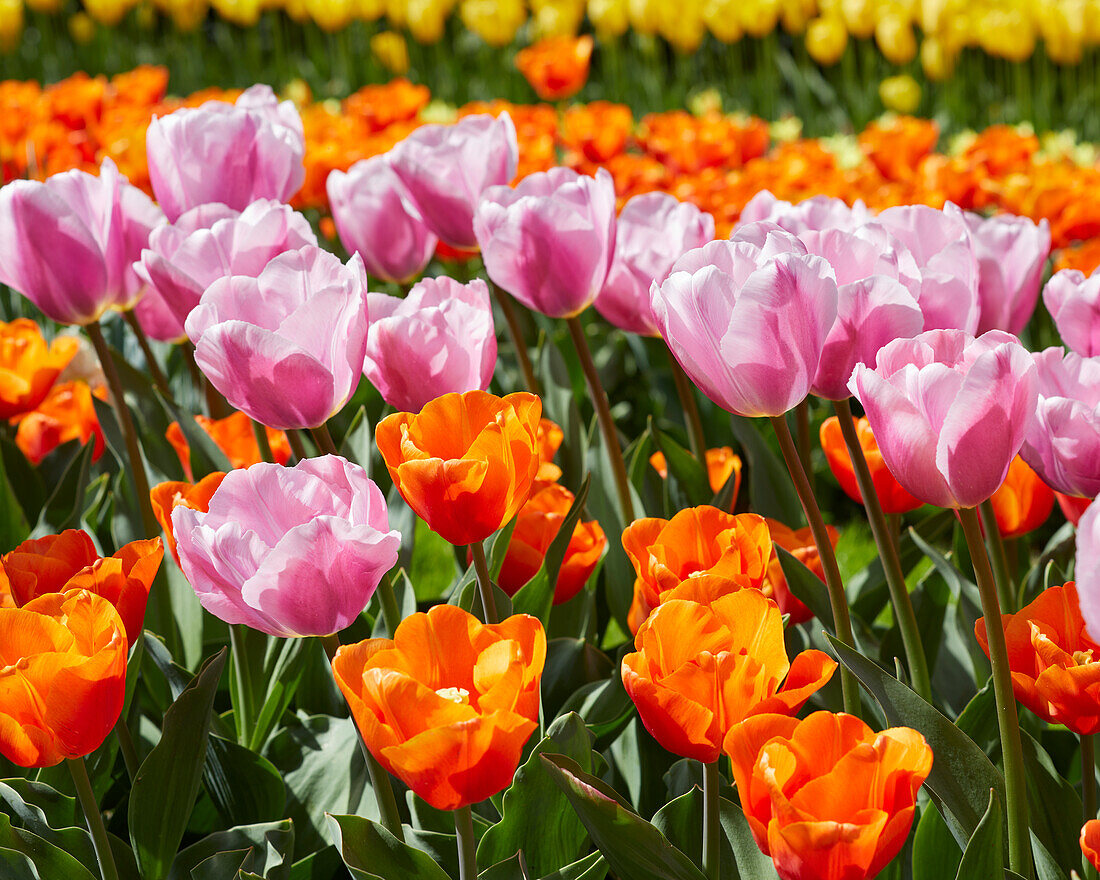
<point>18,665</point>
<point>455,695</point>
<point>1083,658</point>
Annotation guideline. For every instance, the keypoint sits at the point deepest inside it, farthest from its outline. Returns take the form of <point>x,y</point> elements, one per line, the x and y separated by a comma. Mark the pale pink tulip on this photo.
<point>814,214</point>
<point>1087,569</point>
<point>1074,303</point>
<point>1011,253</point>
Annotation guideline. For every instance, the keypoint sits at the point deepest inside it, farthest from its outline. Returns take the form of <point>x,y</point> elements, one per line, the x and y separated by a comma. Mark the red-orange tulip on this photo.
<point>699,670</point>
<point>66,414</point>
<point>800,544</point>
<point>1073,507</point>
<point>826,797</point>
<point>166,496</point>
<point>464,463</point>
<point>698,539</point>
<point>1023,502</point>
<point>721,464</point>
<point>69,561</point>
<point>1055,665</point>
<point>233,436</point>
<point>28,367</point>
<point>550,436</point>
<point>449,703</point>
<point>62,677</point>
<point>537,524</point>
<point>1090,842</point>
<point>557,67</point>
<point>892,497</point>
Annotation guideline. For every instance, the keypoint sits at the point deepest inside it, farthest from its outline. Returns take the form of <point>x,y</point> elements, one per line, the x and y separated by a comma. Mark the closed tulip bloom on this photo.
<point>943,251</point>
<point>465,463</point>
<point>721,465</point>
<point>556,67</point>
<point>698,540</point>
<point>369,204</point>
<point>893,498</point>
<point>228,153</point>
<point>288,551</point>
<point>28,366</point>
<point>1074,303</point>
<point>1063,442</point>
<point>1023,502</point>
<point>1090,842</point>
<point>286,347</point>
<point>448,705</point>
<point>446,168</point>
<point>1087,568</point>
<point>549,438</point>
<point>700,670</point>
<point>166,496</point>
<point>826,797</point>
<point>62,677</point>
<point>748,323</point>
<point>800,544</point>
<point>1073,508</point>
<point>437,340</point>
<point>100,224</point>
<point>234,436</point>
<point>207,243</point>
<point>949,411</point>
<point>549,242</point>
<point>1055,664</point>
<point>653,231</point>
<point>814,214</point>
<point>1011,253</point>
<point>66,414</point>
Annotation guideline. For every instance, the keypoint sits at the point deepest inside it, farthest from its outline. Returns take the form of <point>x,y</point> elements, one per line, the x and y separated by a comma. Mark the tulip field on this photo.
<point>480,441</point>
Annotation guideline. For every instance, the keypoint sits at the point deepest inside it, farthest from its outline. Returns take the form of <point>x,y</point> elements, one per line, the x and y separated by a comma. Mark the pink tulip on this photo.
<point>1063,445</point>
<point>374,221</point>
<point>813,214</point>
<point>944,262</point>
<point>288,551</point>
<point>68,244</point>
<point>549,242</point>
<point>748,323</point>
<point>1011,253</point>
<point>1087,569</point>
<point>1074,302</point>
<point>207,243</point>
<point>286,347</point>
<point>439,339</point>
<point>228,153</point>
<point>949,411</point>
<point>446,168</point>
<point>653,231</point>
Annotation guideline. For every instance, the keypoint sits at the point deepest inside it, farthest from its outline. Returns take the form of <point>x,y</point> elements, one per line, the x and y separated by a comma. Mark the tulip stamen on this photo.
<point>458,695</point>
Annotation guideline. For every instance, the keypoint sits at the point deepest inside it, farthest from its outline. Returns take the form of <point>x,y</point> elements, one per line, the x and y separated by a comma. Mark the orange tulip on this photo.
<point>69,561</point>
<point>62,677</point>
<point>1090,842</point>
<point>550,437</point>
<point>233,436</point>
<point>700,670</point>
<point>1023,502</point>
<point>66,414</point>
<point>557,67</point>
<point>449,703</point>
<point>1055,665</point>
<point>466,462</point>
<point>166,496</point>
<point>537,524</point>
<point>892,497</point>
<point>800,544</point>
<point>1073,508</point>
<point>826,797</point>
<point>721,464</point>
<point>28,367</point>
<point>698,539</point>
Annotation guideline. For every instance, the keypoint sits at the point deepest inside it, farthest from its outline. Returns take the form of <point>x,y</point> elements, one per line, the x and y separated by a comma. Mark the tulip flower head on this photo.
<point>701,669</point>
<point>810,215</point>
<point>949,411</point>
<point>1011,253</point>
<point>449,703</point>
<point>800,544</point>
<point>167,496</point>
<point>1087,569</point>
<point>288,551</point>
<point>893,498</point>
<point>28,366</point>
<point>1023,502</point>
<point>549,438</point>
<point>465,462</point>
<point>557,67</point>
<point>1090,842</point>
<point>721,465</point>
<point>234,436</point>
<point>286,347</point>
<point>1074,303</point>
<point>66,414</point>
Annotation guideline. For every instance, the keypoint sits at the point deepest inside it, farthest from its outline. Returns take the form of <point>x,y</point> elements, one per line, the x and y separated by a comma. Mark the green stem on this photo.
<point>126,746</point>
<point>712,828</point>
<point>262,443</point>
<point>515,331</point>
<point>696,438</point>
<point>324,440</point>
<point>802,426</point>
<point>155,371</point>
<point>997,555</point>
<point>838,599</point>
<point>126,424</point>
<point>484,582</point>
<point>100,840</point>
<point>467,844</point>
<point>1088,776</point>
<point>1019,842</point>
<point>607,424</point>
<point>888,551</point>
<point>296,445</point>
<point>379,778</point>
<point>242,675</point>
<point>391,613</point>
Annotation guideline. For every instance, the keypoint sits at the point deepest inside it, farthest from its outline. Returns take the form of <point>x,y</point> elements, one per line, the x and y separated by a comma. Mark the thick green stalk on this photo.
<point>484,582</point>
<point>888,552</point>
<point>324,440</point>
<point>467,844</point>
<point>1088,776</point>
<point>262,443</point>
<point>712,828</point>
<point>126,746</point>
<point>802,426</point>
<point>294,438</point>
<point>696,439</point>
<point>100,841</point>
<point>515,331</point>
<point>155,371</point>
<point>838,599</point>
<point>242,676</point>
<point>1019,841</point>
<point>997,556</point>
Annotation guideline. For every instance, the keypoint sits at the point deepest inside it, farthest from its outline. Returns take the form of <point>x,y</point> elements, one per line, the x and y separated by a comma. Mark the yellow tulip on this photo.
<point>107,12</point>
<point>46,7</point>
<point>901,94</point>
<point>82,28</point>
<point>796,14</point>
<point>720,17</point>
<point>330,15</point>
<point>644,16</point>
<point>895,39</point>
<point>11,24</point>
<point>495,21</point>
<point>427,22</point>
<point>391,51</point>
<point>826,40</point>
<point>369,10</point>
<point>242,12</point>
<point>859,17</point>
<point>610,18</point>
<point>1006,33</point>
<point>758,17</point>
<point>936,61</point>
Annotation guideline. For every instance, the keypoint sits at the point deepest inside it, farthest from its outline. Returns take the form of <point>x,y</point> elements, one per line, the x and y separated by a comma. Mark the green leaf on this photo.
<point>752,864</point>
<point>14,527</point>
<point>356,445</point>
<point>245,787</point>
<point>1054,807</point>
<point>591,867</point>
<point>206,457</point>
<point>284,665</point>
<point>537,818</point>
<point>961,773</point>
<point>15,865</point>
<point>47,813</point>
<point>605,707</point>
<point>167,783</point>
<point>770,488</point>
<point>221,865</point>
<point>984,855</point>
<point>807,587</point>
<point>634,849</point>
<point>570,665</point>
<point>49,860</point>
<point>369,851</point>
<point>64,505</point>
<point>935,853</point>
<point>681,821</point>
<point>688,474</point>
<point>271,845</point>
